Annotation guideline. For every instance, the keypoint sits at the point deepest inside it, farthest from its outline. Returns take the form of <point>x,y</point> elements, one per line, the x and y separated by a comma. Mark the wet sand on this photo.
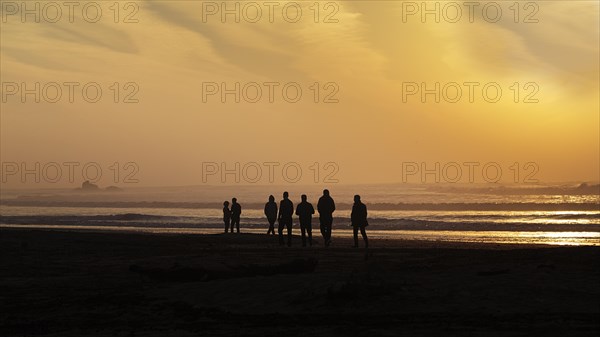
<point>61,283</point>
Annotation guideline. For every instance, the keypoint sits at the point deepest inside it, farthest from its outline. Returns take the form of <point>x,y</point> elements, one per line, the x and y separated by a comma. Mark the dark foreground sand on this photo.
<point>123,284</point>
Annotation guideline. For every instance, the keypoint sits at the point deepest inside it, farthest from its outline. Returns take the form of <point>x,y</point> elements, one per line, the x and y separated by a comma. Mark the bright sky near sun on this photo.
<point>371,61</point>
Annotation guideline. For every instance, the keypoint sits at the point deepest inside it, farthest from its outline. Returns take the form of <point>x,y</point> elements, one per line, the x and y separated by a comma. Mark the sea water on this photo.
<point>559,215</point>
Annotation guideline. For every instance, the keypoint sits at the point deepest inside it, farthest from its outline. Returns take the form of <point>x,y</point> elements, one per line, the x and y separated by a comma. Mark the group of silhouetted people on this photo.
<point>231,217</point>
<point>305,210</point>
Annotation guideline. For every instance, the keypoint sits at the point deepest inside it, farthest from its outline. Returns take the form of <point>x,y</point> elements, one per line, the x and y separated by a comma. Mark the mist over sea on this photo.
<point>547,214</point>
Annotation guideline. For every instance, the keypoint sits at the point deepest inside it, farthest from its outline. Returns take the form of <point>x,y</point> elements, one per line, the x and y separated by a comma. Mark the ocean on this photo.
<point>558,214</point>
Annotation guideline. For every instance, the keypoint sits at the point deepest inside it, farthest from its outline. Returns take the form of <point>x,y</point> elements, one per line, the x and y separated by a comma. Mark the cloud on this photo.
<point>97,35</point>
<point>246,46</point>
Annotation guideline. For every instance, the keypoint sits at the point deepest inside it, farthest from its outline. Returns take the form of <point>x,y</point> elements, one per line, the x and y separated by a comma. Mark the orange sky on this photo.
<point>369,55</point>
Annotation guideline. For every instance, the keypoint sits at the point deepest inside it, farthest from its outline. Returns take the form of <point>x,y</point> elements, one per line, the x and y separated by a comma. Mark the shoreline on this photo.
<point>430,236</point>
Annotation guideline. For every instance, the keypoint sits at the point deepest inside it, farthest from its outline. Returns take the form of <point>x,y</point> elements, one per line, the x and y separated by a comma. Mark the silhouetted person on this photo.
<point>305,211</point>
<point>236,211</point>
<point>271,213</point>
<point>286,210</point>
<point>359,220</point>
<point>326,207</point>
<point>226,216</point>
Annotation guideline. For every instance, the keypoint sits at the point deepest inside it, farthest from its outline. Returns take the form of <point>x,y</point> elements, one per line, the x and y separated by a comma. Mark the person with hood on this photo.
<point>271,213</point>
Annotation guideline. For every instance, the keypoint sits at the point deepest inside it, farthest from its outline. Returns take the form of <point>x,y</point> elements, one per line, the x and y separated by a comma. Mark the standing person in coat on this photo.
<point>236,212</point>
<point>286,210</point>
<point>359,220</point>
<point>305,211</point>
<point>326,207</point>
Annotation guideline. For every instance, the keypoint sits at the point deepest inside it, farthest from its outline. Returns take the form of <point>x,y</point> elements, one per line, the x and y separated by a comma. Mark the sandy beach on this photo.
<point>68,283</point>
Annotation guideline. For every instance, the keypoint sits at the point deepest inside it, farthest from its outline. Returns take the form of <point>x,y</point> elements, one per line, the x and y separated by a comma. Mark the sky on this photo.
<point>165,122</point>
